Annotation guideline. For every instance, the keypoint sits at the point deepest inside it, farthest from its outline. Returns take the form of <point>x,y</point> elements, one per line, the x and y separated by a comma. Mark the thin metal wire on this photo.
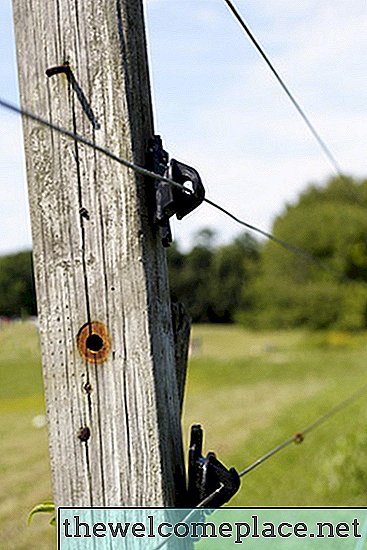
<point>299,436</point>
<point>289,246</point>
<point>298,107</point>
<point>294,249</point>
<point>201,504</point>
<point>88,143</point>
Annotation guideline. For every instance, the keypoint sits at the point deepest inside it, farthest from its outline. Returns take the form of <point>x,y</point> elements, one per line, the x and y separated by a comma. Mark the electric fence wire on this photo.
<point>290,247</point>
<point>297,438</point>
<point>201,504</point>
<point>296,104</point>
<point>285,244</point>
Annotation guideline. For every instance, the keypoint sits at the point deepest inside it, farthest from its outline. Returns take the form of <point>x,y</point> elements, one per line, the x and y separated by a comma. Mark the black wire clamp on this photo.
<point>207,476</point>
<point>170,199</point>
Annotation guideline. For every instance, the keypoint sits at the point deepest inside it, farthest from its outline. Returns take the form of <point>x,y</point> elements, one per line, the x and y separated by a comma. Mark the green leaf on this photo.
<point>45,507</point>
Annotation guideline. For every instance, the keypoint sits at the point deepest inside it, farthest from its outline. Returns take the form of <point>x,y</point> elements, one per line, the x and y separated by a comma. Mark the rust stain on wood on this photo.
<point>94,342</point>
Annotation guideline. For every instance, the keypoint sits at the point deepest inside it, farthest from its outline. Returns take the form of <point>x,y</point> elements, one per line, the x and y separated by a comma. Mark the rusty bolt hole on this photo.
<point>94,343</point>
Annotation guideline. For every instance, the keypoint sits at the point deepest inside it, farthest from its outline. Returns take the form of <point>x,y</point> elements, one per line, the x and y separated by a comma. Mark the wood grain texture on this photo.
<point>105,264</point>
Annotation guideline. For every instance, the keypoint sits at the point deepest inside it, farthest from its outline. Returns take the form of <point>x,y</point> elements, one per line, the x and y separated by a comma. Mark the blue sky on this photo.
<point>219,109</point>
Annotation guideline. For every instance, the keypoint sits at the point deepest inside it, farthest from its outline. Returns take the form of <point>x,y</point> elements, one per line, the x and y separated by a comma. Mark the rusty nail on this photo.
<point>84,213</point>
<point>84,434</point>
<point>64,68</point>
<point>87,388</point>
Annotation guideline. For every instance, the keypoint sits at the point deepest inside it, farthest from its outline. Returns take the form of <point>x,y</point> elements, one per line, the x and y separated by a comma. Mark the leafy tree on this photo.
<point>189,276</point>
<point>209,279</point>
<point>17,293</point>
<point>330,223</point>
<point>231,272</point>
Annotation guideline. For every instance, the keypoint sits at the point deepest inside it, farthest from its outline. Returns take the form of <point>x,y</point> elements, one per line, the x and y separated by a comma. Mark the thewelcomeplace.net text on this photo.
<point>253,528</point>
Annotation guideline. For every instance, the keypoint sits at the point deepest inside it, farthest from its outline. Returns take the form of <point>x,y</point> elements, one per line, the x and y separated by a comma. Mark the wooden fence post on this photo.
<point>105,321</point>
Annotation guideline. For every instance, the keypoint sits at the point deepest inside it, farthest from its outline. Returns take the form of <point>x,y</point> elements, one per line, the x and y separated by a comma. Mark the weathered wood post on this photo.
<point>105,321</point>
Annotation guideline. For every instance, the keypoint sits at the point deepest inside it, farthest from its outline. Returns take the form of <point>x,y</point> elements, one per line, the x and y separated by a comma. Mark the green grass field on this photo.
<point>249,390</point>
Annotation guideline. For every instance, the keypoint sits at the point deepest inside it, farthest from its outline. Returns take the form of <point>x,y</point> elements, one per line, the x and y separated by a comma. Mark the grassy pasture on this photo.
<point>24,468</point>
<point>249,390</point>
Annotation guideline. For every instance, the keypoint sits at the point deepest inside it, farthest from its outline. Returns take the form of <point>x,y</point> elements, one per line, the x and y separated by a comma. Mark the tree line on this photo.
<point>17,292</point>
<point>254,282</point>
